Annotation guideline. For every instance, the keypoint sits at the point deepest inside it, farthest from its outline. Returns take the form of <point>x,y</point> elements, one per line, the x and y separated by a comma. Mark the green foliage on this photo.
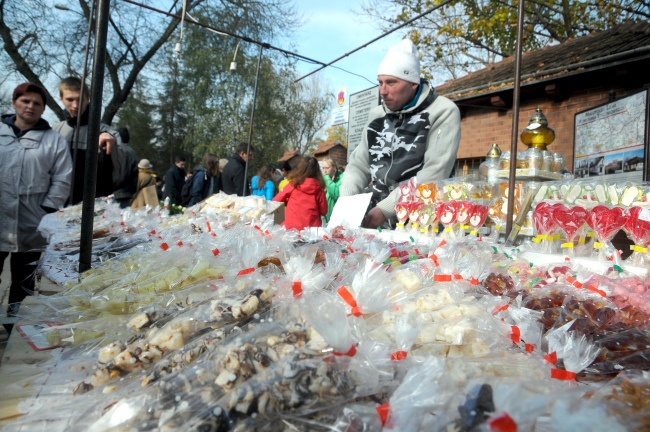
<point>337,133</point>
<point>467,35</point>
<point>206,108</point>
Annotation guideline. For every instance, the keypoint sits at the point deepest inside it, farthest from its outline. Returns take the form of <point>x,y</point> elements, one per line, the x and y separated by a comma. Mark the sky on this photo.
<point>333,28</point>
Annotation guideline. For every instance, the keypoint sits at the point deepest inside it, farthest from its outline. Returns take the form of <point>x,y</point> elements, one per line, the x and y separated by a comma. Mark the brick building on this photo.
<point>334,149</point>
<point>561,80</point>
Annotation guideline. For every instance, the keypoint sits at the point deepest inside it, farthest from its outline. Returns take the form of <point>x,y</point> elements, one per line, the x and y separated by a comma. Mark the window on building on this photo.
<point>469,166</point>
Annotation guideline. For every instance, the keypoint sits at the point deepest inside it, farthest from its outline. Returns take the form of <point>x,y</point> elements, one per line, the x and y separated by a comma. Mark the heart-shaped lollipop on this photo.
<point>570,219</point>
<point>543,218</point>
<point>606,221</point>
<point>638,225</point>
<point>478,216</point>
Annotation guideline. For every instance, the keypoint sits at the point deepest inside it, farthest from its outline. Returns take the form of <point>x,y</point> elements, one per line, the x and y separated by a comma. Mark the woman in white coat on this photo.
<point>36,174</point>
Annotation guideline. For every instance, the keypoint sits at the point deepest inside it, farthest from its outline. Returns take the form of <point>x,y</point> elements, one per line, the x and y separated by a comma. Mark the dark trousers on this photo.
<point>22,266</point>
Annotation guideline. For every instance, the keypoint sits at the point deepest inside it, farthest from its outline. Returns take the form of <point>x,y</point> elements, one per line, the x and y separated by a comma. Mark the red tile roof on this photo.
<point>326,146</point>
<point>624,42</point>
<point>288,155</point>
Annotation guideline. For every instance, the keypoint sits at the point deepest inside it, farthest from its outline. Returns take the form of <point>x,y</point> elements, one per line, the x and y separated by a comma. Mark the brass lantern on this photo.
<point>537,134</point>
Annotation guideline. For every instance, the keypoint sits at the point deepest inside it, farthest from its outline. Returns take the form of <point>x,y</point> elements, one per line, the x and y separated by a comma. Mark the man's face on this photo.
<point>395,92</point>
<point>247,157</point>
<point>70,99</point>
<point>181,164</point>
<point>29,109</point>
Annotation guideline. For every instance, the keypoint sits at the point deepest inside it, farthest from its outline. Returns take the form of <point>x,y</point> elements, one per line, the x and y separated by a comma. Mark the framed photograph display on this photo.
<point>611,140</point>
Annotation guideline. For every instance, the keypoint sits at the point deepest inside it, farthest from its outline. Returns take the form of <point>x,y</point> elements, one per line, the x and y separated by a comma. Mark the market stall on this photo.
<point>218,319</point>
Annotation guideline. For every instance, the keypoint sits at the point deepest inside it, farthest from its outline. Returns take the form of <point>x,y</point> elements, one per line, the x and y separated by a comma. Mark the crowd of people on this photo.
<point>413,133</point>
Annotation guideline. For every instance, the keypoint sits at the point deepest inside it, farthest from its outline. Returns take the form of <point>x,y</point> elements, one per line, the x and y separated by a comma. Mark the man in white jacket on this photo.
<point>413,133</point>
<point>36,169</point>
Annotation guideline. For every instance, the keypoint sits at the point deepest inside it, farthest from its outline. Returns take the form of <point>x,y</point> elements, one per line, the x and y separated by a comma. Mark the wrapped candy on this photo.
<point>478,217</point>
<point>414,215</point>
<point>606,222</point>
<point>370,290</point>
<point>463,213</point>
<point>428,192</point>
<point>570,220</point>
<point>447,215</point>
<point>421,391</point>
<point>408,190</point>
<point>403,211</point>
<point>456,190</point>
<point>638,229</point>
<point>545,225</point>
<point>428,219</point>
<point>576,351</point>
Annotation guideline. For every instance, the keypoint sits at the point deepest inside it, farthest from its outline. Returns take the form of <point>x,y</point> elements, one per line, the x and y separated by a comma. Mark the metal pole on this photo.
<point>515,119</point>
<point>82,95</point>
<point>96,90</point>
<point>250,126</point>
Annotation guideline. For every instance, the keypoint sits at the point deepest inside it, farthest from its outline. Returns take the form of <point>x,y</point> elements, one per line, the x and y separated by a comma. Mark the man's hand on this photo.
<point>375,218</point>
<point>107,141</point>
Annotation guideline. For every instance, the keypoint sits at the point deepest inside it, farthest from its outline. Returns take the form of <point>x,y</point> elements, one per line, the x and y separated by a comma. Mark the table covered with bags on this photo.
<point>217,319</point>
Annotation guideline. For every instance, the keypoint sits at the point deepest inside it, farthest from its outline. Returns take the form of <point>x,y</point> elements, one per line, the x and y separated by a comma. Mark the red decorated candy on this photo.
<point>402,210</point>
<point>446,212</point>
<point>479,215</point>
<point>638,225</point>
<point>464,211</point>
<point>543,218</point>
<point>606,221</point>
<point>570,219</point>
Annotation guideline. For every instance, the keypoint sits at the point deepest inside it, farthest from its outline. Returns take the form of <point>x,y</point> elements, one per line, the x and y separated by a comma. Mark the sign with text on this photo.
<point>360,105</point>
<point>340,112</point>
<point>611,139</point>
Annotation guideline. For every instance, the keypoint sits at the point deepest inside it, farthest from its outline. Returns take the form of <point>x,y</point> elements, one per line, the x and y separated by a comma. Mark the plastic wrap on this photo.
<point>420,392</point>
<point>606,222</point>
<point>637,228</point>
<point>571,220</point>
<point>575,351</point>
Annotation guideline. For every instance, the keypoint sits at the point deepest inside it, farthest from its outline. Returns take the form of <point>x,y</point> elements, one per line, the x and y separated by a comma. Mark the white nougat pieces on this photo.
<point>407,280</point>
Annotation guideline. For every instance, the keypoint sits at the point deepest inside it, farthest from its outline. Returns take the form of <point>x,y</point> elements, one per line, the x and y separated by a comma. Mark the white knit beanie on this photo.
<point>402,61</point>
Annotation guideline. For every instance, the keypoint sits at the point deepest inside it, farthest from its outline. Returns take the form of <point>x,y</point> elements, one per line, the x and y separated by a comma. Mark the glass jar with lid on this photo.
<point>547,160</point>
<point>559,163</point>
<point>488,168</point>
<point>504,160</point>
<point>534,157</point>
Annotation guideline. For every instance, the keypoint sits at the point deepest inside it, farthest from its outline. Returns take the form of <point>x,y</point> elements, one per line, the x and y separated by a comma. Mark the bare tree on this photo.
<point>45,41</point>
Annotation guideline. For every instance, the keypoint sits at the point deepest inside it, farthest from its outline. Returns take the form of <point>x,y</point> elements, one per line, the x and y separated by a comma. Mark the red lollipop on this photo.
<point>446,212</point>
<point>464,211</point>
<point>478,216</point>
<point>543,218</point>
<point>570,219</point>
<point>606,221</point>
<point>638,225</point>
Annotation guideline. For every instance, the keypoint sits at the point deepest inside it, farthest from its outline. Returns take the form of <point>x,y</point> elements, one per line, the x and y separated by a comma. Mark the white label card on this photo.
<point>350,209</point>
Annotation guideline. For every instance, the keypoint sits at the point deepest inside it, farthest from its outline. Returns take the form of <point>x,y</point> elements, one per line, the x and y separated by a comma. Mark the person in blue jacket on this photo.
<point>262,184</point>
<point>206,179</point>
